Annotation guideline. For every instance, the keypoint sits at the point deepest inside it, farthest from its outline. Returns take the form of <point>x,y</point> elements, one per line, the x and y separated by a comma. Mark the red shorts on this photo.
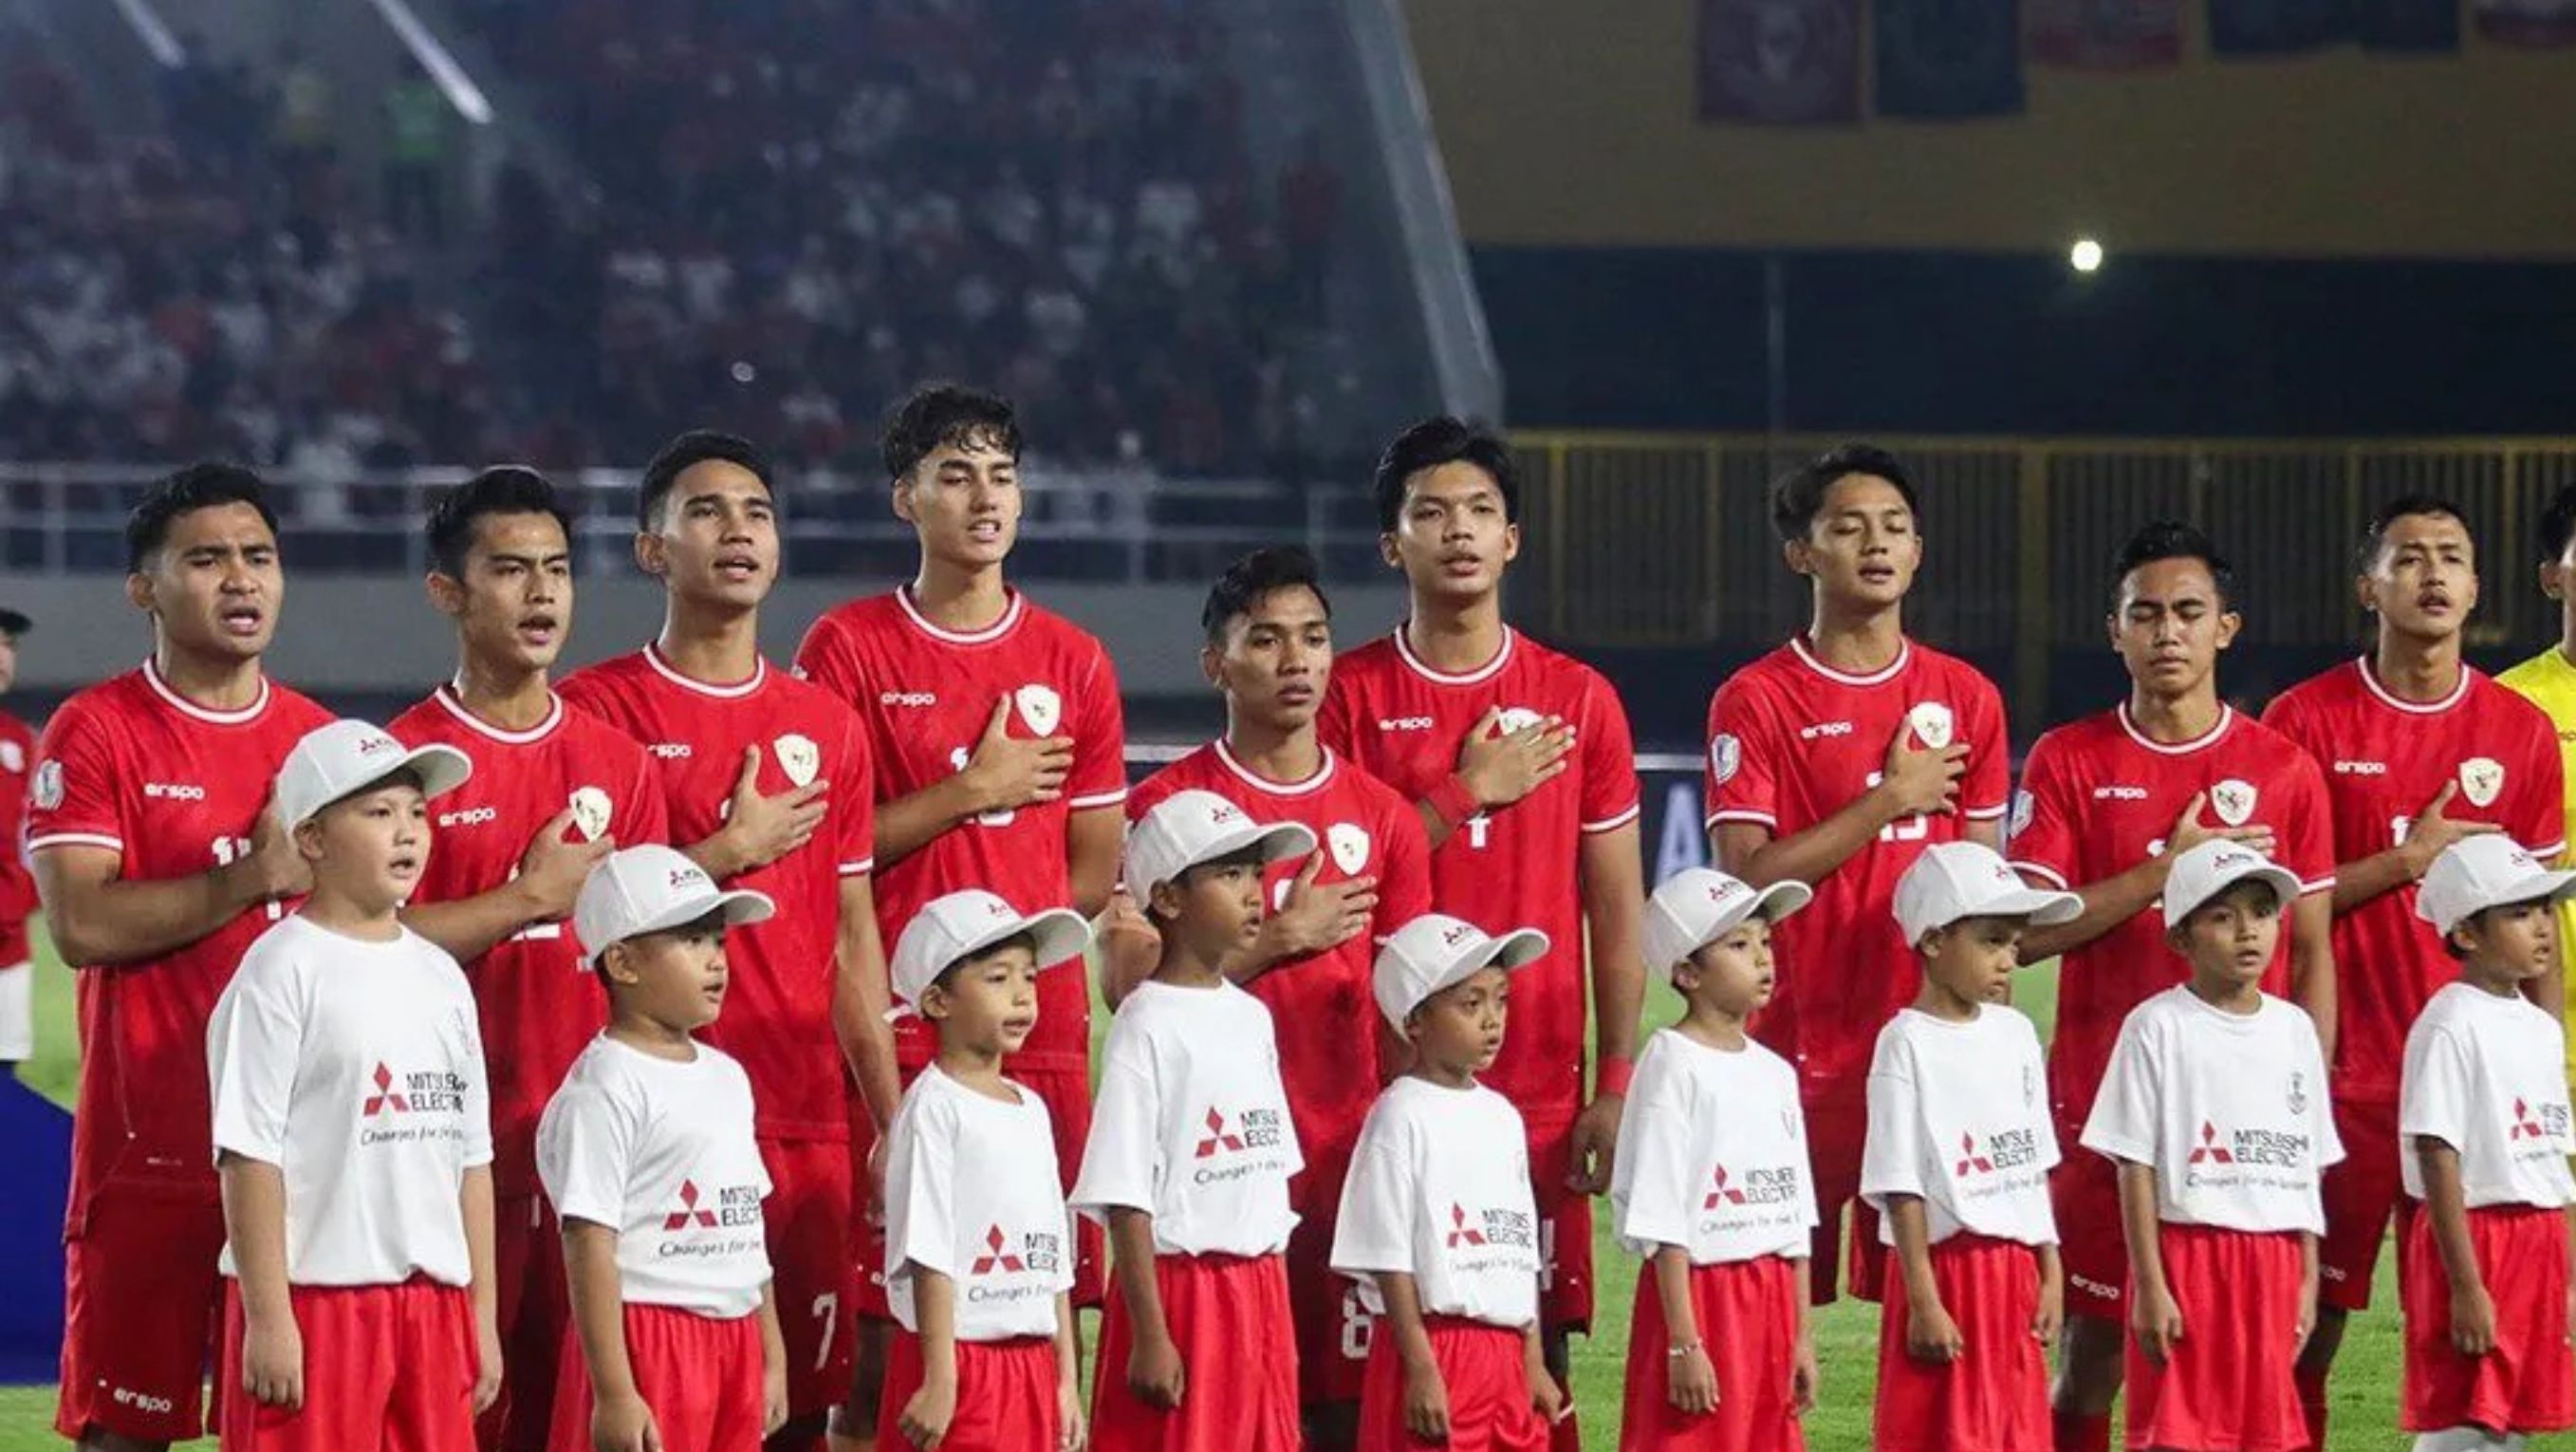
<point>2228,1386</point>
<point>700,1375</point>
<point>1835,1134</point>
<point>1229,1317</point>
<point>535,1311</point>
<point>2528,1382</point>
<point>1486,1374</point>
<point>808,1217</point>
<point>141,1301</point>
<point>2084,1191</point>
<point>1994,1398</point>
<point>1747,1312</point>
<point>2360,1192</point>
<point>1332,1325</point>
<point>1564,1226</point>
<point>386,1369</point>
<point>1005,1395</point>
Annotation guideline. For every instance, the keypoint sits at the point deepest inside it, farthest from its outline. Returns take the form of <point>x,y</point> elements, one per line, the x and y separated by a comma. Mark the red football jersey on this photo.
<point>2097,798</point>
<point>17,883</point>
<point>1323,1006</point>
<point>2384,761</point>
<point>926,694</point>
<point>173,788</point>
<point>538,1006</point>
<point>1793,741</point>
<point>1518,867</point>
<point>778,1012</point>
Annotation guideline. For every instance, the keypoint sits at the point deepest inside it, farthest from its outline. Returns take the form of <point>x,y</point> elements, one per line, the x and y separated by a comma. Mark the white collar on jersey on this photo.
<point>1485,672</point>
<point>1010,620</point>
<point>1258,782</point>
<point>734,692</point>
<point>208,714</point>
<point>1879,677</point>
<point>448,697</point>
<point>2370,679</point>
<point>2205,740</point>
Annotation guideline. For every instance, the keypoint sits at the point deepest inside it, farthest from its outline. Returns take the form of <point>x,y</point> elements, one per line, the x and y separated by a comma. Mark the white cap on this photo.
<point>2477,873</point>
<point>1435,951</point>
<point>2215,866</point>
<point>347,757</point>
<point>1955,880</point>
<point>963,924</point>
<point>1695,907</point>
<point>1188,828</point>
<point>651,889</point>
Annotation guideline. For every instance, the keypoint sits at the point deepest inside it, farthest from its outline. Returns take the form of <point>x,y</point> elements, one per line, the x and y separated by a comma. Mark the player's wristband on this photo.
<point>1611,1076</point>
<point>1452,801</point>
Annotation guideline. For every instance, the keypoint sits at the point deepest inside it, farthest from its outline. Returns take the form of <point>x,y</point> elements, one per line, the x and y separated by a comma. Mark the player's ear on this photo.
<point>651,556</point>
<point>1511,542</point>
<point>2553,580</point>
<point>1212,666</point>
<point>308,838</point>
<point>1164,898</point>
<point>1796,554</point>
<point>902,502</point>
<point>1386,551</point>
<point>2229,622</point>
<point>446,593</point>
<point>138,591</point>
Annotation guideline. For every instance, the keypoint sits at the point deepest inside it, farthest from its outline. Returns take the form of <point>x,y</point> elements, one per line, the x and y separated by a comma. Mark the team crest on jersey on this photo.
<point>2298,1092</point>
<point>1725,757</point>
<point>2482,780</point>
<point>590,812</point>
<point>47,793</point>
<point>799,757</point>
<point>1515,718</point>
<point>13,759</point>
<point>2233,800</point>
<point>1350,844</point>
<point>1040,707</point>
<point>1932,724</point>
<point>2024,806</point>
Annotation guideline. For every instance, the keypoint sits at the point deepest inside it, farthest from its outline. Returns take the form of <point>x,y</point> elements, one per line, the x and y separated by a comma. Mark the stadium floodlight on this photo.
<point>2085,256</point>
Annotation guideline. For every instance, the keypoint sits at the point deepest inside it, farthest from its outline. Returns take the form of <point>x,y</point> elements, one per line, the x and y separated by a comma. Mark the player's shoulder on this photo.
<point>2337,687</point>
<point>861,617</point>
<point>603,678</point>
<point>795,693</point>
<point>1371,661</point>
<point>292,710</point>
<point>1364,789</point>
<point>1554,663</point>
<point>1761,684</point>
<point>1497,1114</point>
<point>111,704</point>
<point>2492,699</point>
<point>593,736</point>
<point>1046,629</point>
<point>1956,672</point>
<point>2081,738</point>
<point>422,720</point>
<point>284,955</point>
<point>1194,770</point>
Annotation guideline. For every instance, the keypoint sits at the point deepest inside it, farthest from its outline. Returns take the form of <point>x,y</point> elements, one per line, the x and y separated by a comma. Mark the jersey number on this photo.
<point>1479,827</point>
<point>1357,1323</point>
<point>229,850</point>
<point>539,932</point>
<point>828,1307</point>
<point>1903,829</point>
<point>2398,827</point>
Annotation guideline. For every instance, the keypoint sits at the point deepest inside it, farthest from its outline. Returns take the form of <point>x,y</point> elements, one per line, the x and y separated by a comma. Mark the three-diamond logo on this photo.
<point>2524,1126</point>
<point>1718,1192</point>
<point>2209,1149</point>
<point>1460,1232</point>
<point>384,1100</point>
<point>690,1212</point>
<point>1218,1137</point>
<point>1970,1160</point>
<point>997,1259</point>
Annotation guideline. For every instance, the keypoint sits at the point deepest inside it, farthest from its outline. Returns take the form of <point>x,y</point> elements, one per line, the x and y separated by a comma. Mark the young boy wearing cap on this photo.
<point>651,1159</point>
<point>352,1134</point>
<point>979,1250</point>
<point>1712,1186</point>
<point>1438,1223</point>
<point>2215,1107</point>
<point>2484,1277</point>
<point>1956,1163</point>
<point>1191,1151</point>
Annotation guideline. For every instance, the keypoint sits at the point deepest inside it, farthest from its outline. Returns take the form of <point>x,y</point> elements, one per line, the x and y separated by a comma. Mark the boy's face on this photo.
<point>718,540</point>
<point>987,1003</point>
<point>215,584</point>
<point>513,608</point>
<point>676,978</point>
<point>1451,536</point>
<point>1277,659</point>
<point>2232,936</point>
<point>2520,938</point>
<point>2171,625</point>
<point>1216,904</point>
<point>1733,973</point>
<point>1861,546</point>
<point>2424,582</point>
<point>963,500</point>
<point>1461,1026</point>
<point>1974,957</point>
<point>371,847</point>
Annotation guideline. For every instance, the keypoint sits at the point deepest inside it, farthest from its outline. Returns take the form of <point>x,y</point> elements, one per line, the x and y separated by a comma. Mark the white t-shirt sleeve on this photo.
<point>253,1045</point>
<point>2321,1118</point>
<point>921,1194</point>
<point>586,1154</point>
<point>1653,1162</point>
<point>478,1077</point>
<point>2123,1123</point>
<point>1126,1132</point>
<point>1374,1231</point>
<point>1891,1160</point>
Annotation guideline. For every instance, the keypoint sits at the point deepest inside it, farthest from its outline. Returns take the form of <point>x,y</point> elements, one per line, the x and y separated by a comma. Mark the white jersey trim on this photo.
<point>732,692</point>
<point>2202,742</point>
<point>1741,814</point>
<point>1010,620</point>
<point>1485,672</point>
<point>1614,823</point>
<point>75,839</point>
<point>2048,875</point>
<point>208,714</point>
<point>860,868</point>
<point>1096,799</point>
<point>1879,677</point>
<point>1314,781</point>
<point>2370,681</point>
<point>446,697</point>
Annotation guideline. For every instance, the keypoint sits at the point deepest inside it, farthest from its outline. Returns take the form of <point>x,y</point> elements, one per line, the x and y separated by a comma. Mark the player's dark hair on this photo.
<point>2366,558</point>
<point>1254,578</point>
<point>1443,440</point>
<point>1015,940</point>
<point>1240,857</point>
<point>680,455</point>
<point>185,491</point>
<point>2171,539</point>
<point>945,415</point>
<point>2558,524</point>
<point>1798,496</point>
<point>501,489</point>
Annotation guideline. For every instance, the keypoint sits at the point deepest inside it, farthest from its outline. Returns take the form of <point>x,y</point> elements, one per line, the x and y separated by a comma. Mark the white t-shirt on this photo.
<point>2230,1110</point>
<point>1440,1188</point>
<point>356,1069</point>
<point>1958,1116</point>
<point>1712,1154</point>
<point>663,1153</point>
<point>1191,1124</point>
<point>2485,1075</point>
<point>971,1192</point>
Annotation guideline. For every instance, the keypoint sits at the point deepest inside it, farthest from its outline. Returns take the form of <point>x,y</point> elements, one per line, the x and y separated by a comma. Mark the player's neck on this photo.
<point>977,1068</point>
<point>1712,1028</point>
<point>1454,637</point>
<point>2227,995</point>
<point>1857,640</point>
<point>651,1037</point>
<point>510,697</point>
<point>1283,754</point>
<point>2567,634</point>
<point>2415,668</point>
<point>218,683</point>
<point>2173,720</point>
<point>721,649</point>
<point>958,598</point>
<point>1939,1000</point>
<point>336,911</point>
<point>1447,1076</point>
<point>2490,979</point>
<point>1184,967</point>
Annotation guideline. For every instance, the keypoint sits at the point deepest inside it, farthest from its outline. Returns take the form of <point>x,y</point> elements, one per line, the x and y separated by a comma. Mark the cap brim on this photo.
<point>1780,899</point>
<point>1511,952</point>
<point>2543,886</point>
<point>2283,881</point>
<point>739,906</point>
<point>441,769</point>
<point>1057,933</point>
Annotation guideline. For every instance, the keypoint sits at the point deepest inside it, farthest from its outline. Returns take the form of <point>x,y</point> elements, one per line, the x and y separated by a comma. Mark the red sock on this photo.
<point>2312,1402</point>
<point>2082,1432</point>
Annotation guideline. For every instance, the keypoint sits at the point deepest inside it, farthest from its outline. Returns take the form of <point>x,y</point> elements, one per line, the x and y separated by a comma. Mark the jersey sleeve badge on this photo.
<point>1725,757</point>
